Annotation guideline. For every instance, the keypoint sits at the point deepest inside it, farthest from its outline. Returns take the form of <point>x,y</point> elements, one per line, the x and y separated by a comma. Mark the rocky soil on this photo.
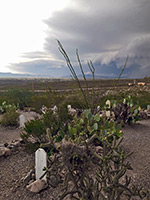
<point>9,134</point>
<point>16,166</point>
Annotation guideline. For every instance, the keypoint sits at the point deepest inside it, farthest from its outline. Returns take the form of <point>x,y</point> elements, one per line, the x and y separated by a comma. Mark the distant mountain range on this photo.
<point>12,75</point>
<point>8,74</point>
<point>88,76</point>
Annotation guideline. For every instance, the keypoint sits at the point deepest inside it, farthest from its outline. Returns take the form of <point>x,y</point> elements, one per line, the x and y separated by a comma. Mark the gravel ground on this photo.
<point>137,140</point>
<point>9,134</point>
<point>13,168</point>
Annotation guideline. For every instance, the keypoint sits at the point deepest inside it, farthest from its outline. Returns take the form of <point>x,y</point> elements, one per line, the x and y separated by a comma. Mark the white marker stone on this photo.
<point>108,111</point>
<point>148,107</point>
<point>98,108</point>
<point>69,107</point>
<point>22,121</point>
<point>40,163</point>
<point>54,109</point>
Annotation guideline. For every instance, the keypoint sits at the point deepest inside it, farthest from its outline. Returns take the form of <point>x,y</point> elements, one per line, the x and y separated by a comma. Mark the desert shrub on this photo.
<point>34,134</point>
<point>76,102</point>
<point>5,106</point>
<point>126,111</point>
<point>63,113</point>
<point>10,117</point>
<point>88,125</point>
<point>2,98</point>
<point>21,97</point>
<point>36,129</point>
<point>38,101</point>
<point>49,99</point>
<point>56,123</point>
<point>143,98</point>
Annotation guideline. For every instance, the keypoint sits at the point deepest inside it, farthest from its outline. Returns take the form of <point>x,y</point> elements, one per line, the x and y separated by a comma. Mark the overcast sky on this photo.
<point>103,31</point>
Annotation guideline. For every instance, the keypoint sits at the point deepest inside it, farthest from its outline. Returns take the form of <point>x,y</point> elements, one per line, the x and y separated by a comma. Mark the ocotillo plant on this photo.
<point>86,96</point>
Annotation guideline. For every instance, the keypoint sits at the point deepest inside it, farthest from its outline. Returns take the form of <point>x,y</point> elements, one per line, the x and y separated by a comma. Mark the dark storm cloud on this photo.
<point>139,57</point>
<point>104,31</point>
<point>98,26</point>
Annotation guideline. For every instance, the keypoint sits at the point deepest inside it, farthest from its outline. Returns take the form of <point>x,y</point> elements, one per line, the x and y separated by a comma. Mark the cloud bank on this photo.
<point>103,31</point>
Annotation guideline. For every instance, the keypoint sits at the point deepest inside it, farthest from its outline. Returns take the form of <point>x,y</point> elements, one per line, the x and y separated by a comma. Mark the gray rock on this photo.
<point>54,180</point>
<point>28,177</point>
<point>37,186</point>
<point>2,145</point>
<point>4,151</point>
<point>14,145</point>
<point>17,144</point>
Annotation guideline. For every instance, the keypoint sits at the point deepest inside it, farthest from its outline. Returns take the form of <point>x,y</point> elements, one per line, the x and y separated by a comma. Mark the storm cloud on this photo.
<point>139,57</point>
<point>104,31</point>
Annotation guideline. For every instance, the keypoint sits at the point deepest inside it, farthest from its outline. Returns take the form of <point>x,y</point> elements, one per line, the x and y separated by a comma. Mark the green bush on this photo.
<point>36,129</point>
<point>76,102</point>
<point>10,118</point>
<point>143,98</point>
<point>19,96</point>
<point>49,99</point>
<point>38,101</point>
<point>4,107</point>
<point>55,122</point>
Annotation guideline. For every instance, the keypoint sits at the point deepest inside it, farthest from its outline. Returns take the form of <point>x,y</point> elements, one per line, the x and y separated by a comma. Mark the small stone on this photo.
<point>28,177</point>
<point>32,140</point>
<point>17,144</point>
<point>20,148</point>
<point>4,151</point>
<point>2,145</point>
<point>37,186</point>
<point>54,181</point>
